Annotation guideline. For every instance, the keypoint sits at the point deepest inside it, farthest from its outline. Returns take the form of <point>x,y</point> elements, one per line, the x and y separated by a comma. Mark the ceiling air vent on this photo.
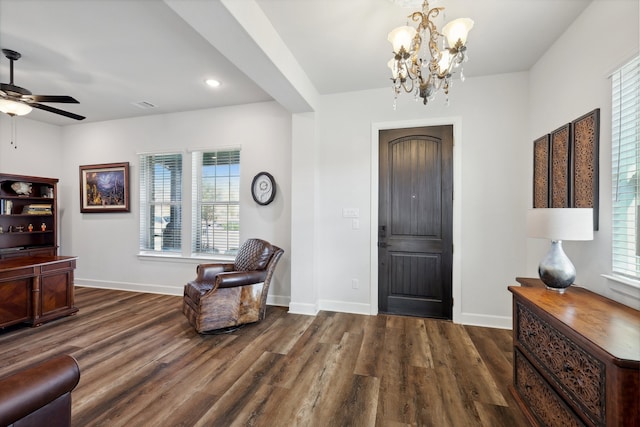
<point>145,105</point>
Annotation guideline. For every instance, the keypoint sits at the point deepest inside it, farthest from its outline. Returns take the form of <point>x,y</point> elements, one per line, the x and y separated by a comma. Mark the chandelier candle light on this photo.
<point>557,224</point>
<point>424,68</point>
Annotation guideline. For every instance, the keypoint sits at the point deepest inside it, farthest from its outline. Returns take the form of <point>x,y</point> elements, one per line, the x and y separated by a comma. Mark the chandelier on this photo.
<point>419,66</point>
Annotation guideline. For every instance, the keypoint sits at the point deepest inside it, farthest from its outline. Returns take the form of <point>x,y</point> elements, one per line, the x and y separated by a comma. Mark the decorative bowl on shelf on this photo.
<point>21,188</point>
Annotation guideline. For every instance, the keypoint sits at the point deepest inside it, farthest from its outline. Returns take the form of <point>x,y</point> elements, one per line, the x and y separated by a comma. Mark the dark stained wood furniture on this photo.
<point>19,211</point>
<point>576,357</point>
<point>36,289</point>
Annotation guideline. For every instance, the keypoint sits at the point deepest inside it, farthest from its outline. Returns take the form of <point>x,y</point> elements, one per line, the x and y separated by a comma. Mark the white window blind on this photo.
<point>216,194</point>
<point>625,127</point>
<point>161,202</point>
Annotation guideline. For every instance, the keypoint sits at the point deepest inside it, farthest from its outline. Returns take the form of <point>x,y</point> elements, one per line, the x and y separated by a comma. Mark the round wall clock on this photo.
<point>263,188</point>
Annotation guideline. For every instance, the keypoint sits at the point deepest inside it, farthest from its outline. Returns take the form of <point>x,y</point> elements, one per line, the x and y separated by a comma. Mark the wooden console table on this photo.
<point>36,289</point>
<point>576,357</point>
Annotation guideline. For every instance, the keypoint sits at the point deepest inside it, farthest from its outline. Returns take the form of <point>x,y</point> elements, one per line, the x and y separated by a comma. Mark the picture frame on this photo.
<point>104,188</point>
<point>585,131</point>
<point>541,156</point>
<point>560,168</point>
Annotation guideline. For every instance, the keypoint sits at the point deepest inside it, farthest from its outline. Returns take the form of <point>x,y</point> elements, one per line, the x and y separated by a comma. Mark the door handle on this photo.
<point>383,245</point>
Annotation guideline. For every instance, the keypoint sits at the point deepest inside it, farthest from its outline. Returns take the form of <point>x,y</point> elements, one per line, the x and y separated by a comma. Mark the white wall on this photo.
<point>37,148</point>
<point>107,244</point>
<point>304,230</point>
<point>570,80</point>
<point>493,113</point>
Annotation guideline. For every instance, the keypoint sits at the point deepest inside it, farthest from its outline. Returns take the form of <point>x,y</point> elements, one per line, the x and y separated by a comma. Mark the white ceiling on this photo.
<point>110,54</point>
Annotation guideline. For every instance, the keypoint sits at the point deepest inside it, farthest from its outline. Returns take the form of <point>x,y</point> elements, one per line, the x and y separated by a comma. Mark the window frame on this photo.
<point>625,137</point>
<point>148,230</point>
<point>188,205</point>
<point>229,200</point>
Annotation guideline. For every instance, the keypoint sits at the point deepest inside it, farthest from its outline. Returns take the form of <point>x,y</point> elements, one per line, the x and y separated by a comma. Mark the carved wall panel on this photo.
<point>566,166</point>
<point>586,131</point>
<point>541,172</point>
<point>560,167</point>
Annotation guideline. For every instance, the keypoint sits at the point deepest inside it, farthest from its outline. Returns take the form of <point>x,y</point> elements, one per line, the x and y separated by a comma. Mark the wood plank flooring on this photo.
<point>143,365</point>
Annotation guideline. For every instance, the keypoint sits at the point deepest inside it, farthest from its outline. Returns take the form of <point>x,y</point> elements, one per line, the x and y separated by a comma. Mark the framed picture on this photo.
<point>585,132</point>
<point>560,167</point>
<point>541,172</point>
<point>104,188</point>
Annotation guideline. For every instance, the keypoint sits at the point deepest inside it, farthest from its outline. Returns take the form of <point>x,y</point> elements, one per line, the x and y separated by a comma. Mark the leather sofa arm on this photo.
<point>30,389</point>
<point>208,272</point>
<point>239,278</point>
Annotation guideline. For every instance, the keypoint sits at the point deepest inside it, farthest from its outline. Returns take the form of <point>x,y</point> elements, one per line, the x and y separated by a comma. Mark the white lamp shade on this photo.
<point>401,37</point>
<point>560,223</point>
<point>14,108</point>
<point>458,29</point>
<point>392,64</point>
<point>445,61</point>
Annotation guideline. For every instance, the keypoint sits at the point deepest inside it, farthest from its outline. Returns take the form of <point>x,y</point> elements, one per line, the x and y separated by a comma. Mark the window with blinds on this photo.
<point>625,140</point>
<point>216,198</point>
<point>161,202</point>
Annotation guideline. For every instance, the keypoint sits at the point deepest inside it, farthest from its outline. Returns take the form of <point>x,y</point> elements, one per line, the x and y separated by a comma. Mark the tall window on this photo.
<point>216,198</point>
<point>625,141</point>
<point>161,202</point>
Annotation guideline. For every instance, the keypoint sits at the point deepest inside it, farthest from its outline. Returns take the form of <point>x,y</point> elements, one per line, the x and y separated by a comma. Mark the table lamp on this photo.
<point>558,224</point>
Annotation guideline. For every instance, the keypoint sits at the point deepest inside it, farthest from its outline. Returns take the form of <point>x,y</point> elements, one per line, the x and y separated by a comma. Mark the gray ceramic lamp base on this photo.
<point>556,270</point>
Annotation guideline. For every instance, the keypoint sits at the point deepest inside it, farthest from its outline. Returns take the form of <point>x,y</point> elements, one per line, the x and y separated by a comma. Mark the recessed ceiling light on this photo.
<point>212,82</point>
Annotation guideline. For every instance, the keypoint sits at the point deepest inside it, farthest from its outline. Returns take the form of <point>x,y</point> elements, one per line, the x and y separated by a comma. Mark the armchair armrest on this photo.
<point>239,278</point>
<point>208,272</point>
<point>28,390</point>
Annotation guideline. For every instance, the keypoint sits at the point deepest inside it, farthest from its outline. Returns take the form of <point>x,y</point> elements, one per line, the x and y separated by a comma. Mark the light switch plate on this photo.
<point>350,213</point>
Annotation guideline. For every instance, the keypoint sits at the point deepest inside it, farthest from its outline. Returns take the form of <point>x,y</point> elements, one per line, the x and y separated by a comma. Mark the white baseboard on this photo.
<point>500,322</point>
<point>303,308</point>
<point>279,300</point>
<point>345,307</point>
<point>132,287</point>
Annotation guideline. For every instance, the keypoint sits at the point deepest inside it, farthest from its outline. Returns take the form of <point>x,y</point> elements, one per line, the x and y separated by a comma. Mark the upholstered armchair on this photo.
<point>225,295</point>
<point>39,395</point>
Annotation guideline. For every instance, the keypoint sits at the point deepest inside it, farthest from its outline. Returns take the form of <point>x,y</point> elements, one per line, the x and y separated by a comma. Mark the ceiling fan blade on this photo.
<point>53,98</point>
<point>57,111</point>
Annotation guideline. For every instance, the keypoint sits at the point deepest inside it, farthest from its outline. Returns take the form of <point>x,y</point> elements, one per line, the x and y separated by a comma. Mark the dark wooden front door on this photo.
<point>415,242</point>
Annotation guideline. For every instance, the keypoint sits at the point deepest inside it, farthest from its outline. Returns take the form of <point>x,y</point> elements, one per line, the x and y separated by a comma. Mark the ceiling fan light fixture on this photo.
<point>14,108</point>
<point>16,100</point>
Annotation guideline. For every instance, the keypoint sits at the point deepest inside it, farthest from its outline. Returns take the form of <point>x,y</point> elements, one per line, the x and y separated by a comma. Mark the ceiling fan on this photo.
<point>15,100</point>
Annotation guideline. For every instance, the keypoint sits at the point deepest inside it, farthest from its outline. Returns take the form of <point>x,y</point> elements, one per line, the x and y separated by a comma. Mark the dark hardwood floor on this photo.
<point>143,365</point>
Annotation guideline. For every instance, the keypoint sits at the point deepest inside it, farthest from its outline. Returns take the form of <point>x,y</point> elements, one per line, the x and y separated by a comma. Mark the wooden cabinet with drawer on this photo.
<point>36,289</point>
<point>576,358</point>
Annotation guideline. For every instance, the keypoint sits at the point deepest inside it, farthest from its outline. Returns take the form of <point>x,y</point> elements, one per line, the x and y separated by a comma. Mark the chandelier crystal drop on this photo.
<point>418,65</point>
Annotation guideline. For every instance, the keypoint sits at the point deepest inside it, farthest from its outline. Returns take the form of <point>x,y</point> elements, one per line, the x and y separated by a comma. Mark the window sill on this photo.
<point>623,285</point>
<point>194,259</point>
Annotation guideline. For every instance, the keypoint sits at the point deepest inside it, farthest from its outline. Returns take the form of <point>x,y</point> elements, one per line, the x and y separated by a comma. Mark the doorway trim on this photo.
<point>456,279</point>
